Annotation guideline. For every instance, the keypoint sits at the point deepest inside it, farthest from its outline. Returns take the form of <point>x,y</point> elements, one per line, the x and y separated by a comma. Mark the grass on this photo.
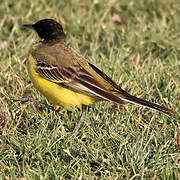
<point>137,44</point>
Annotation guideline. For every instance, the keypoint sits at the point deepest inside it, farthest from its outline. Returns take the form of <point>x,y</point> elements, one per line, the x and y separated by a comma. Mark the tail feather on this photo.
<point>132,99</point>
<point>129,98</point>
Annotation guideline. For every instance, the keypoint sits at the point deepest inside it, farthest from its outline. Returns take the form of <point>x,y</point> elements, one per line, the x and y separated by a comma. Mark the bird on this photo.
<point>66,78</point>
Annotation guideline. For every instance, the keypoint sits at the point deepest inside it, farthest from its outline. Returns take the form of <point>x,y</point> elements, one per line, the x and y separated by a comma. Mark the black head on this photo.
<point>48,29</point>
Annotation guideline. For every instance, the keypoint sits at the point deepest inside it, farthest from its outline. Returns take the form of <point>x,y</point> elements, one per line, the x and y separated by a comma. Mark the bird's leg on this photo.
<point>30,99</point>
<point>76,129</point>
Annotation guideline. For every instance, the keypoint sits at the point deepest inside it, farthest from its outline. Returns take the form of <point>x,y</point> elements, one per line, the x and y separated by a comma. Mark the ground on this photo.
<point>137,43</point>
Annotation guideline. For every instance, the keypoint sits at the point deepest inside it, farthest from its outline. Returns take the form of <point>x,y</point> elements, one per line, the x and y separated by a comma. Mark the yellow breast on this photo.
<point>56,94</point>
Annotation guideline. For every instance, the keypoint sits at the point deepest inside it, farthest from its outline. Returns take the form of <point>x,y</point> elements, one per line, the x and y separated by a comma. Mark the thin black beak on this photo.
<point>29,26</point>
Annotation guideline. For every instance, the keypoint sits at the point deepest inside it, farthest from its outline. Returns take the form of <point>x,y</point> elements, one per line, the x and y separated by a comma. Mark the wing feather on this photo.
<point>75,78</point>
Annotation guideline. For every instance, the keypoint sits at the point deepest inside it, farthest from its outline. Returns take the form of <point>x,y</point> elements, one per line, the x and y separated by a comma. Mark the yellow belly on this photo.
<point>56,94</point>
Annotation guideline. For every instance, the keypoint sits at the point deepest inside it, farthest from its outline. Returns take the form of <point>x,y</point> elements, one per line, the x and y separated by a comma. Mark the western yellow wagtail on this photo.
<point>66,78</point>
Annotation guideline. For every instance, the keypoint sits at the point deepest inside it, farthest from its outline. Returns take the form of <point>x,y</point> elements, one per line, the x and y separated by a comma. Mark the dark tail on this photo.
<point>129,98</point>
<point>132,99</point>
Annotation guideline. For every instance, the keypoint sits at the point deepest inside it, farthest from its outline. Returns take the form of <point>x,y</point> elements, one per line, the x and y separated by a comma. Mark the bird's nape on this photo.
<point>48,29</point>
